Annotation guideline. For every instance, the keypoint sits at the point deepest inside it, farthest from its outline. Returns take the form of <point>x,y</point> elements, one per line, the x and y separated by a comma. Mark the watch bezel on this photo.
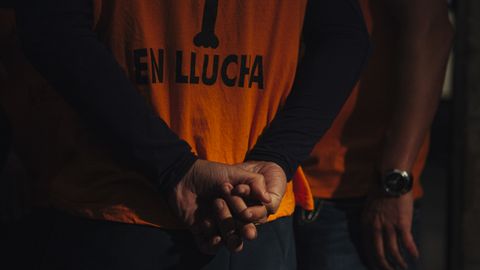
<point>405,176</point>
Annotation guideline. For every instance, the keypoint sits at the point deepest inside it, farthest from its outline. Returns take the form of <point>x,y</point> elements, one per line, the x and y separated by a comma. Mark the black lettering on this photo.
<point>141,68</point>
<point>210,80</point>
<point>257,72</point>
<point>229,60</point>
<point>157,65</point>
<point>194,79</point>
<point>244,70</point>
<point>179,77</point>
<point>207,38</point>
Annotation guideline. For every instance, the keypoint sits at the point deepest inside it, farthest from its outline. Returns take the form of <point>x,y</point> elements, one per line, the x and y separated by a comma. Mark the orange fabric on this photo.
<point>343,162</point>
<point>63,160</point>
<point>217,99</point>
<point>302,191</point>
<point>256,62</point>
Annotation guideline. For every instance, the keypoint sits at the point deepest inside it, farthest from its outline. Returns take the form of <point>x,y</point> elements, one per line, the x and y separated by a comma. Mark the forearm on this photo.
<point>337,47</point>
<point>57,37</point>
<point>421,56</point>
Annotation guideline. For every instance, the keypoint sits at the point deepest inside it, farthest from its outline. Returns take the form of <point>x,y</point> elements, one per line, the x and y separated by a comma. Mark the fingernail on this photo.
<point>216,240</point>
<point>249,214</point>
<point>227,188</point>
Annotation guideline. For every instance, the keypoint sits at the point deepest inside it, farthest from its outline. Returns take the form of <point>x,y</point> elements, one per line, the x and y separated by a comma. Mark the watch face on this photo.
<point>397,183</point>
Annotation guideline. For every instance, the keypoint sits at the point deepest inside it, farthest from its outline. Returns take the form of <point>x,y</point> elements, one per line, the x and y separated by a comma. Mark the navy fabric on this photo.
<point>331,237</point>
<point>273,249</point>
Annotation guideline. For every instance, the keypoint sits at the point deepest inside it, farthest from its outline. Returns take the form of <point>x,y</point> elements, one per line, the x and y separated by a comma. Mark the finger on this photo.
<point>248,230</point>
<point>392,244</point>
<point>237,206</point>
<point>409,242</point>
<point>207,236</point>
<point>276,189</point>
<point>226,225</point>
<point>256,182</point>
<point>242,211</point>
<point>258,213</point>
<point>272,207</point>
<point>241,190</point>
<point>234,243</point>
<point>207,228</point>
<point>379,249</point>
<point>208,246</point>
<point>212,246</point>
<point>227,188</point>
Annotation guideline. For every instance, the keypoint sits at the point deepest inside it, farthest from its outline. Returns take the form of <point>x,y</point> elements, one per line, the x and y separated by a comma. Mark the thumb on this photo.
<point>256,182</point>
<point>276,190</point>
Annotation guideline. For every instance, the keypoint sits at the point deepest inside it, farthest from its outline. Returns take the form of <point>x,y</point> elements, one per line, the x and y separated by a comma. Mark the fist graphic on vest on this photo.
<point>207,38</point>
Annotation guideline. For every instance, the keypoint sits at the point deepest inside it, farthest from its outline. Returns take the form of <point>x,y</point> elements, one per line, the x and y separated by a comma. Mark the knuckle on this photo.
<point>260,178</point>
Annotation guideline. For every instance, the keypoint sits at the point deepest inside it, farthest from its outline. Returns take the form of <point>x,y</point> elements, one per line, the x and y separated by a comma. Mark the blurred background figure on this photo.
<point>365,172</point>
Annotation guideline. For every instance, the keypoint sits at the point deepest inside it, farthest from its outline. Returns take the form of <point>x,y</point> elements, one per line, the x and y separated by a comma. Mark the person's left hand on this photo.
<point>385,219</point>
<point>202,193</point>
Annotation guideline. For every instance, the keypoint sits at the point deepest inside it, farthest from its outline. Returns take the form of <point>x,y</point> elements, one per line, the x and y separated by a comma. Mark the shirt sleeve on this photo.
<point>58,39</point>
<point>337,47</point>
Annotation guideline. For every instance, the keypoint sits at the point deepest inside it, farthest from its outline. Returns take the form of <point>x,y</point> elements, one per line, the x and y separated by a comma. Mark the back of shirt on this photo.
<point>215,71</point>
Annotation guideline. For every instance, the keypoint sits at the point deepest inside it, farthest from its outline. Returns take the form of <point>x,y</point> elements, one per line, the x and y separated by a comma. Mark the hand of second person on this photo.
<point>387,222</point>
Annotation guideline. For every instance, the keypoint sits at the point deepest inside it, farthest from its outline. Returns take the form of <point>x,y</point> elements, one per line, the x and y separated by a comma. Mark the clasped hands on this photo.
<point>221,204</point>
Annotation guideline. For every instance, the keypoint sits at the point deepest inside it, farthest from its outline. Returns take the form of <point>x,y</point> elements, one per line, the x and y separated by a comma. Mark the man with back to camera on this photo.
<point>365,171</point>
<point>217,81</point>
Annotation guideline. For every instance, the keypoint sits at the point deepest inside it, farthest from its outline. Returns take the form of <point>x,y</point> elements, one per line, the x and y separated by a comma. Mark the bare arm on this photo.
<point>423,35</point>
<point>419,35</point>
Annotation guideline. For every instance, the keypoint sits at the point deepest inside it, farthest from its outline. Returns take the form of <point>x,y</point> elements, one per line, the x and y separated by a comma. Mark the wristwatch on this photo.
<point>396,182</point>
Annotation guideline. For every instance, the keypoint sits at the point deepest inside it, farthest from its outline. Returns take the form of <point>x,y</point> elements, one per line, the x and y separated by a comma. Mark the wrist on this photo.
<point>275,158</point>
<point>183,167</point>
<point>395,182</point>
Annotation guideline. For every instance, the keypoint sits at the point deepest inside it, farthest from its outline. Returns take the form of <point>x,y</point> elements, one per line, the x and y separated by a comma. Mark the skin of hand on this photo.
<point>387,221</point>
<point>200,201</point>
<point>275,181</point>
<point>238,227</point>
<point>418,45</point>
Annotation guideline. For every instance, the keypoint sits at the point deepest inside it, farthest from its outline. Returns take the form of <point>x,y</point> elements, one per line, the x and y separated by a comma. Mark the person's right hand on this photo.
<point>199,201</point>
<point>387,224</point>
<point>275,181</point>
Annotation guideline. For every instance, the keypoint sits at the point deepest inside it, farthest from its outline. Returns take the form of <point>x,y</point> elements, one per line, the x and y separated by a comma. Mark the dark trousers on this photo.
<point>330,238</point>
<point>273,249</point>
<point>53,240</point>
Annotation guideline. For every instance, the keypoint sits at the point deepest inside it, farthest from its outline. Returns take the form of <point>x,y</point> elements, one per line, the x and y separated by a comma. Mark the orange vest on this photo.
<point>216,80</point>
<point>343,163</point>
